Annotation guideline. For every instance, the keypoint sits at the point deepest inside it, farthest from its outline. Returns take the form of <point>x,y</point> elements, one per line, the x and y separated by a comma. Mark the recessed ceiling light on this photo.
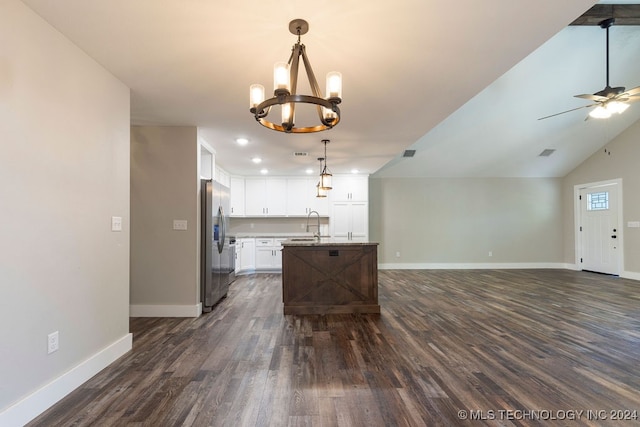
<point>309,171</point>
<point>242,141</point>
<point>264,171</point>
<point>354,171</point>
<point>256,160</point>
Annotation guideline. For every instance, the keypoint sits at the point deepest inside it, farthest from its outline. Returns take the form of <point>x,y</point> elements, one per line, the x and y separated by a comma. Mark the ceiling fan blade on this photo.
<point>592,97</point>
<point>632,92</point>
<point>568,111</point>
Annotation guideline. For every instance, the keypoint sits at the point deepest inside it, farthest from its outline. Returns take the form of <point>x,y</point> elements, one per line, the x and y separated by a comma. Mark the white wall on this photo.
<point>620,160</point>
<point>456,222</point>
<point>64,172</point>
<point>165,186</point>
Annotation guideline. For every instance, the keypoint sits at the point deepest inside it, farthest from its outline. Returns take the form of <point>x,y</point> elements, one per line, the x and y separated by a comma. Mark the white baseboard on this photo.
<point>630,275</point>
<point>496,266</point>
<point>471,266</point>
<point>42,399</point>
<point>165,310</point>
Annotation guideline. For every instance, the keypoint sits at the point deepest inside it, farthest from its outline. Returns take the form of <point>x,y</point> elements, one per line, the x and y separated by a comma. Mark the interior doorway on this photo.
<point>599,227</point>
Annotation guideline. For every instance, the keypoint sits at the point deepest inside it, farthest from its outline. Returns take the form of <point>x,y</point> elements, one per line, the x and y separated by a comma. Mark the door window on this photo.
<point>598,201</point>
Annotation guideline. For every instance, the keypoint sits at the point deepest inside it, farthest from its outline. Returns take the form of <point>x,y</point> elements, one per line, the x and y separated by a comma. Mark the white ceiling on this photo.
<point>453,80</point>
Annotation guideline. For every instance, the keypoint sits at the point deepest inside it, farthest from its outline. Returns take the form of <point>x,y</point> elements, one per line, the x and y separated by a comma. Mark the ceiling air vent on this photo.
<point>409,153</point>
<point>547,152</point>
<point>300,154</point>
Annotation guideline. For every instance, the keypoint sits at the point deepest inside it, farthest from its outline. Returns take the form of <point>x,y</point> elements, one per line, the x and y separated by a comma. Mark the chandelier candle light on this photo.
<point>285,82</point>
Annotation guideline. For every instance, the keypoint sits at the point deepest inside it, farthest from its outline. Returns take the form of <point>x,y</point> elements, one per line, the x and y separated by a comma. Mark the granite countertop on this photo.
<point>325,241</point>
<point>274,235</point>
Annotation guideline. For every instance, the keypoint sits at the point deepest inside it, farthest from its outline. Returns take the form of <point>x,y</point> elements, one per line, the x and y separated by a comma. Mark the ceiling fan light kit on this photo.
<point>610,100</point>
<point>605,111</point>
<point>285,81</point>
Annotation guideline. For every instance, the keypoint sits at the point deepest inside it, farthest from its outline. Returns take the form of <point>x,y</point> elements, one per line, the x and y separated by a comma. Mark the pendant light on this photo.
<point>325,174</point>
<point>320,192</point>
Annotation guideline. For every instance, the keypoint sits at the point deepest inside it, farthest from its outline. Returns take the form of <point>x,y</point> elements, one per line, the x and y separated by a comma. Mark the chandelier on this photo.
<point>325,176</point>
<point>285,82</point>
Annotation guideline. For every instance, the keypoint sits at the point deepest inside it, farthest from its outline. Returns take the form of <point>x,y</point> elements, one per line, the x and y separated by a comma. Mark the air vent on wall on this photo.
<point>300,154</point>
<point>409,153</point>
<point>547,152</point>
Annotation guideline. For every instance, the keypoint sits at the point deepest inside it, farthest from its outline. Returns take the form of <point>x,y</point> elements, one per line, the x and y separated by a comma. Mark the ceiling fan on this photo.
<point>610,99</point>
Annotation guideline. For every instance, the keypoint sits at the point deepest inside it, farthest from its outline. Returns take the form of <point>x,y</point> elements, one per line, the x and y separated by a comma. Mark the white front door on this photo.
<point>599,228</point>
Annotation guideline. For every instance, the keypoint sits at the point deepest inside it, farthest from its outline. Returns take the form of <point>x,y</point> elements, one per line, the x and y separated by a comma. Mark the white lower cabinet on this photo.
<point>269,254</point>
<point>350,221</point>
<point>245,254</point>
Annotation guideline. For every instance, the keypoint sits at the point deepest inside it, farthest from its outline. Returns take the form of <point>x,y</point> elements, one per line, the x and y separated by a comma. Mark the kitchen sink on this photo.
<point>303,239</point>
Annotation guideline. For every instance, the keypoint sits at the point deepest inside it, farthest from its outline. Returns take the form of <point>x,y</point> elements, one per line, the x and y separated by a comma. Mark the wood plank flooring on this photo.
<point>504,347</point>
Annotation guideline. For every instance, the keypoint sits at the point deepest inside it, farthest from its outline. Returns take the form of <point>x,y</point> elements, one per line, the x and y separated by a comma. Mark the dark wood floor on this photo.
<point>501,346</point>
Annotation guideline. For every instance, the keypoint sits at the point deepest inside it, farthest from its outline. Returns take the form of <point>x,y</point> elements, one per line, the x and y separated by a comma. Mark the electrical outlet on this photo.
<point>53,342</point>
<point>116,223</point>
<point>490,253</point>
<point>180,224</point>
<point>397,254</point>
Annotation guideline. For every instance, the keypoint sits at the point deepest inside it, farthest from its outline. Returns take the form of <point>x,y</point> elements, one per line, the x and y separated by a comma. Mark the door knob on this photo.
<point>614,236</point>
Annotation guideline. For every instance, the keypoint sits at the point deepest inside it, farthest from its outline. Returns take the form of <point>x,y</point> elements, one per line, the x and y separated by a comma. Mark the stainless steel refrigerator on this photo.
<point>215,269</point>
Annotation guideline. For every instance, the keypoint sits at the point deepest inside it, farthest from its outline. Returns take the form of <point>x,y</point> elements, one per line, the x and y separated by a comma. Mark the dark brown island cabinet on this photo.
<point>325,276</point>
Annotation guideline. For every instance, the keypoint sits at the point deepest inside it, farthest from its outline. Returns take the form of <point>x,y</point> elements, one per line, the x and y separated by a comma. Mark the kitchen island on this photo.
<point>321,276</point>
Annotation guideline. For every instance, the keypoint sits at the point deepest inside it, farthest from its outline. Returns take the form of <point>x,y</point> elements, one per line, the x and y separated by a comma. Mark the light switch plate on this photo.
<point>633,224</point>
<point>180,224</point>
<point>116,223</point>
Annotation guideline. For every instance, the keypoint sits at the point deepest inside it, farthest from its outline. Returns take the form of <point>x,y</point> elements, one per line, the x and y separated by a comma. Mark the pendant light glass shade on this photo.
<point>325,180</point>
<point>320,192</point>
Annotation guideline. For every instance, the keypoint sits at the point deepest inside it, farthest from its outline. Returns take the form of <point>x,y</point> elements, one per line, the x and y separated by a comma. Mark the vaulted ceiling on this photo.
<point>463,83</point>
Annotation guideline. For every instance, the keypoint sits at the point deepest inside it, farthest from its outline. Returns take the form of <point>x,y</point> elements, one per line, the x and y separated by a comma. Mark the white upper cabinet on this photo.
<point>237,196</point>
<point>265,196</point>
<point>222,177</point>
<point>349,188</point>
<point>301,197</point>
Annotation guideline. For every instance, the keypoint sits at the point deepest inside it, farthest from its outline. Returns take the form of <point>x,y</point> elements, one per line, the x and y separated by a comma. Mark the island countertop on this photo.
<point>324,241</point>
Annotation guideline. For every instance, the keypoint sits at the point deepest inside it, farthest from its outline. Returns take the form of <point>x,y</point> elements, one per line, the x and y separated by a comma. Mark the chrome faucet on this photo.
<point>317,234</point>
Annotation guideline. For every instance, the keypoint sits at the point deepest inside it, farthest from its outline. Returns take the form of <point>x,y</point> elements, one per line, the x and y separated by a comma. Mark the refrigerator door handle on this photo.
<point>222,229</point>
